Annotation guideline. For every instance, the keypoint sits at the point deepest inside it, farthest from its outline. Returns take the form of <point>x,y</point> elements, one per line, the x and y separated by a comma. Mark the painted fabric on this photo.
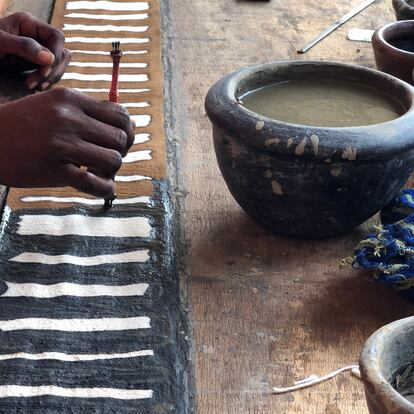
<point>389,249</point>
<point>90,317</point>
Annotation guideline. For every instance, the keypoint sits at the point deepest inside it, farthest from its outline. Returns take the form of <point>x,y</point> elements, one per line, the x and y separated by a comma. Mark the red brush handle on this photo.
<point>113,92</point>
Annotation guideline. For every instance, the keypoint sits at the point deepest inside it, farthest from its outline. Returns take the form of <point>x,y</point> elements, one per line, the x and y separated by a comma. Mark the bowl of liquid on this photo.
<point>312,149</point>
<point>393,46</point>
<point>387,368</point>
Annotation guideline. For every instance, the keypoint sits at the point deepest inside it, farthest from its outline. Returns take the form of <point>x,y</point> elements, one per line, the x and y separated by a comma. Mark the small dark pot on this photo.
<point>309,181</point>
<point>403,10</point>
<point>389,59</point>
<point>384,354</point>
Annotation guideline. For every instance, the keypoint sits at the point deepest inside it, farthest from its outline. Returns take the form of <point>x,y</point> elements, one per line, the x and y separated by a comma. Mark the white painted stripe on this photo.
<point>36,290</point>
<point>35,224</point>
<point>100,52</point>
<point>138,256</point>
<point>59,356</point>
<point>10,391</point>
<point>106,65</point>
<point>107,5</point>
<point>86,201</point>
<point>106,90</point>
<point>141,138</point>
<point>141,120</point>
<point>131,178</point>
<point>104,77</point>
<point>125,40</point>
<point>76,325</point>
<point>138,156</point>
<point>135,105</point>
<point>138,16</point>
<point>104,28</point>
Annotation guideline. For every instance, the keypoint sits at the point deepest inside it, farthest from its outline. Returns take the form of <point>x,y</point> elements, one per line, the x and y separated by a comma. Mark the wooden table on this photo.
<point>265,311</point>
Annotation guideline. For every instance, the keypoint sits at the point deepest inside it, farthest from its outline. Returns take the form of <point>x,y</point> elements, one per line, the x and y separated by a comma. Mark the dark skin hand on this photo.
<point>61,137</point>
<point>27,43</point>
<point>47,137</point>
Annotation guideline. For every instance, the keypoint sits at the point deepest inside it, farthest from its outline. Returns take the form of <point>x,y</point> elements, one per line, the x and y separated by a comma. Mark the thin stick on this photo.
<point>335,25</point>
<point>116,54</point>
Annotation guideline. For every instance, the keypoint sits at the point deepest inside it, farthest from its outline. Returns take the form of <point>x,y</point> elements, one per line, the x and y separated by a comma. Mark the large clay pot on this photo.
<point>309,181</point>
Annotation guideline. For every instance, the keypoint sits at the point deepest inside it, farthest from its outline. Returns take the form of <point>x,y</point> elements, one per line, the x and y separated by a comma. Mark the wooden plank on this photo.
<point>265,310</point>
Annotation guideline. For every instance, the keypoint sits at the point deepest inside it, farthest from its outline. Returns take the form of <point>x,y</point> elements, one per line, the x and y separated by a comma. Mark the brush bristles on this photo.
<point>116,47</point>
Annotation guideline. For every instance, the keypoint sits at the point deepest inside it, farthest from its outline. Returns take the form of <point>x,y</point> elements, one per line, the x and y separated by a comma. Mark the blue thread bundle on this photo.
<point>389,250</point>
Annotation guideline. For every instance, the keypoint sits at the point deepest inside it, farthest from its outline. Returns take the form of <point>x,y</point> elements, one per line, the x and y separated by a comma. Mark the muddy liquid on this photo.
<point>405,43</point>
<point>324,103</point>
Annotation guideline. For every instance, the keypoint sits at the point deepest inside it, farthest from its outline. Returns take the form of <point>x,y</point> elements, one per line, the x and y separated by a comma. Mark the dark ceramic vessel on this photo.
<point>309,181</point>
<point>403,9</point>
<point>390,59</point>
<point>387,351</point>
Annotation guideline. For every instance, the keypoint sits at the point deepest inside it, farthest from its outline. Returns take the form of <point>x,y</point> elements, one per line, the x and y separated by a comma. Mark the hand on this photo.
<point>27,43</point>
<point>56,138</point>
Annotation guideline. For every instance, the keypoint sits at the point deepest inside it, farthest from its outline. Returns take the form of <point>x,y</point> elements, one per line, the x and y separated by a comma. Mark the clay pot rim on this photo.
<point>381,31</point>
<point>372,376</point>
<point>225,111</point>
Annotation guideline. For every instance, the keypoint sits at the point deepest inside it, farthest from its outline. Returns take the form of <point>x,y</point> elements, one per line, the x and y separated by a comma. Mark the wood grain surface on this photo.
<point>265,310</point>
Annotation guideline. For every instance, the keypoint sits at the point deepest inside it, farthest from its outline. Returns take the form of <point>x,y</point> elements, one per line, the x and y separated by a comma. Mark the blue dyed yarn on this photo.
<point>389,249</point>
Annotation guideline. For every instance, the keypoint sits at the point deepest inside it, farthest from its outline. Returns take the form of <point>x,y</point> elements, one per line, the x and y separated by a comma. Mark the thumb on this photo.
<point>27,48</point>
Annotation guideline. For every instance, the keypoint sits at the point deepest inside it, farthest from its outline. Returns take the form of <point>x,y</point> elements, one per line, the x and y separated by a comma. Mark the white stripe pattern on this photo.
<point>125,40</point>
<point>135,104</point>
<point>104,28</point>
<point>106,90</point>
<point>104,77</point>
<point>76,325</point>
<point>36,290</point>
<point>141,138</point>
<point>9,391</point>
<point>113,17</point>
<point>59,356</point>
<point>86,201</point>
<point>135,156</point>
<point>106,65</point>
<point>131,178</point>
<point>107,5</point>
<point>141,120</point>
<point>138,256</point>
<point>101,52</point>
<point>35,224</point>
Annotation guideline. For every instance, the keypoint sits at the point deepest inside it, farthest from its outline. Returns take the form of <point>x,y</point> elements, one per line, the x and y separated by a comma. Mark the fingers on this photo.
<point>26,48</point>
<point>53,41</point>
<point>106,162</point>
<point>112,114</point>
<point>86,182</point>
<point>45,76</point>
<point>103,135</point>
<point>108,113</point>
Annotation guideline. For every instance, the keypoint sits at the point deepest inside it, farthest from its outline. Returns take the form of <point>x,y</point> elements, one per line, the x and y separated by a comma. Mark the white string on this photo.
<point>314,379</point>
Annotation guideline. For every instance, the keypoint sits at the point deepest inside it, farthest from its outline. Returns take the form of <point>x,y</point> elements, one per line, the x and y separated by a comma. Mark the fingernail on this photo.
<point>46,57</point>
<point>46,71</point>
<point>33,85</point>
<point>45,85</point>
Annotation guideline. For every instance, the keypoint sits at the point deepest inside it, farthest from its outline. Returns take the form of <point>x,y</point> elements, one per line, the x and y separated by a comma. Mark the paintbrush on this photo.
<point>116,54</point>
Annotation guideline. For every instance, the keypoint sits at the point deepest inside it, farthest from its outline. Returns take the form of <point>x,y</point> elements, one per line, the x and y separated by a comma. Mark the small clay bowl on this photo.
<point>306,181</point>
<point>388,351</point>
<point>390,59</point>
<point>403,9</point>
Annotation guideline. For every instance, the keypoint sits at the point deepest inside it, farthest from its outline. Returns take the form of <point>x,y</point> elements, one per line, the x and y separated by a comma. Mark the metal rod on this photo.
<point>336,24</point>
